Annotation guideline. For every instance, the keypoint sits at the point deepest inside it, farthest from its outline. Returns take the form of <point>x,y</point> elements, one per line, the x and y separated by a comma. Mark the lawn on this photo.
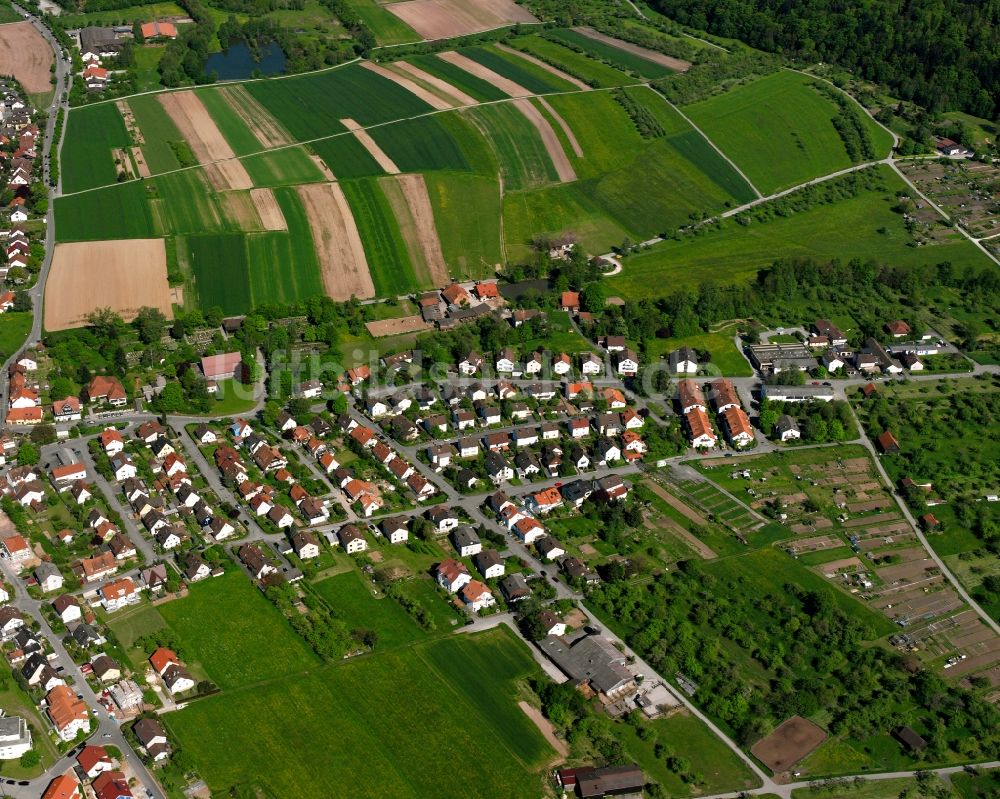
<point>778,130</point>
<point>343,92</point>
<point>16,702</point>
<point>221,274</point>
<point>615,55</point>
<point>385,26</point>
<point>573,63</point>
<point>289,166</point>
<point>388,259</point>
<point>14,328</point>
<point>147,61</point>
<point>8,14</point>
<point>85,159</point>
<point>406,719</point>
<point>131,624</point>
<point>524,163</point>
<point>124,214</point>
<point>531,76</point>
<point>159,133</point>
<point>235,634</point>
<point>232,398</point>
<point>734,253</point>
<point>354,604</point>
<point>720,346</point>
<point>467,218</point>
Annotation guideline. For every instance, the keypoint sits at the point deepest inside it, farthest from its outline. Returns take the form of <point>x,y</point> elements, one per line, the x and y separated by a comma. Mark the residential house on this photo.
<point>515,588</point>
<point>626,363</point>
<point>396,529</point>
<point>452,575</point>
<point>118,594</point>
<point>48,576</point>
<point>723,395</point>
<point>737,426</point>
<point>498,469</point>
<point>477,596</point>
<point>106,389</point>
<point>67,410</point>
<point>683,361</point>
<point>700,430</point>
<point>787,429</point>
<point>528,529</point>
<point>465,541</point>
<point>689,396</point>
<point>591,364</point>
<point>306,545</point>
<point>489,563</point>
<point>67,608</point>
<point>253,558</point>
<point>549,548</point>
<point>68,714</point>
<point>153,738</point>
<point>351,539</point>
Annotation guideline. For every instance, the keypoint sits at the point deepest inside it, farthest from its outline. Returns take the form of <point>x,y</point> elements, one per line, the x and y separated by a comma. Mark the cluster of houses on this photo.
<point>456,304</point>
<point>25,404</point>
<point>729,411</point>
<point>98,45</point>
<point>901,353</point>
<point>18,249</point>
<point>16,125</point>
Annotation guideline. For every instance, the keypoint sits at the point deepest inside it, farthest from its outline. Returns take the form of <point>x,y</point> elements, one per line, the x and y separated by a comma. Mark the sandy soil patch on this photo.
<point>265,128</point>
<point>546,66</point>
<point>545,728</point>
<point>570,135</point>
<point>338,244</point>
<point>428,97</point>
<point>129,118</point>
<point>397,327</point>
<point>675,64</point>
<point>140,162</point>
<point>675,503</point>
<point>442,19</point>
<point>790,741</point>
<point>411,206</point>
<point>371,146</point>
<point>506,85</point>
<point>206,140</point>
<point>268,209</point>
<point>25,55</point>
<point>321,165</point>
<point>122,275</point>
<point>120,156</point>
<point>564,169</point>
<point>452,93</point>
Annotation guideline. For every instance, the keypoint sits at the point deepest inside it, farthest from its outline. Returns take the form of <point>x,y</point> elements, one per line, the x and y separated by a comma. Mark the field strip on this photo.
<point>265,128</point>
<point>322,167</point>
<point>412,204</point>
<point>371,146</point>
<point>565,127</point>
<point>564,169</point>
<point>239,210</point>
<point>445,19</point>
<point>544,65</point>
<point>675,503</point>
<point>506,85</point>
<point>692,541</point>
<point>140,162</point>
<point>676,64</point>
<point>339,250</point>
<point>268,209</point>
<point>207,143</point>
<point>415,89</point>
<point>123,275</point>
<point>456,94</point>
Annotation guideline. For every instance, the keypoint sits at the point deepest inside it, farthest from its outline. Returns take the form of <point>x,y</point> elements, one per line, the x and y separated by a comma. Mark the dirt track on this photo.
<point>545,728</point>
<point>26,55</point>
<point>265,128</point>
<point>438,103</point>
<point>411,206</point>
<point>122,275</point>
<point>206,140</point>
<point>675,64</point>
<point>338,245</point>
<point>442,19</point>
<point>546,66</point>
<point>371,146</point>
<point>456,95</point>
<point>268,209</point>
<point>552,144</point>
<point>505,85</point>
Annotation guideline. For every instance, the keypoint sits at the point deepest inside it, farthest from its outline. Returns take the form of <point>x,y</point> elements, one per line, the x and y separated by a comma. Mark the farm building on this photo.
<point>222,367</point>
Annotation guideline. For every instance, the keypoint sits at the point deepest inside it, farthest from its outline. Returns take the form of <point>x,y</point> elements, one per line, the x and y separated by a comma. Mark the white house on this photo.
<point>452,575</point>
<point>477,596</point>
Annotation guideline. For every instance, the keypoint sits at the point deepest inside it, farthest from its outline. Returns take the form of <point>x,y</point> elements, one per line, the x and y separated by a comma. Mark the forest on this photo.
<point>943,54</point>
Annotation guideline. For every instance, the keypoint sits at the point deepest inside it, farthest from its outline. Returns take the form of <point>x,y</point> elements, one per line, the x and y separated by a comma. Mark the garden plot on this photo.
<point>815,544</point>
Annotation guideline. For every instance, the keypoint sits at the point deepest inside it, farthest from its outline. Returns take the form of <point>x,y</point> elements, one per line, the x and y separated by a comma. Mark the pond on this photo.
<point>238,63</point>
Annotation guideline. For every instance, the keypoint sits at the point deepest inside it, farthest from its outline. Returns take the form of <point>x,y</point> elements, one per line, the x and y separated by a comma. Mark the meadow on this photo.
<point>85,159</point>
<point>218,263</point>
<point>385,26</point>
<point>116,212</point>
<point>143,13</point>
<point>467,217</point>
<point>734,253</point>
<point>620,58</point>
<point>354,604</point>
<point>778,130</point>
<point>457,713</point>
<point>14,327</point>
<point>573,63</point>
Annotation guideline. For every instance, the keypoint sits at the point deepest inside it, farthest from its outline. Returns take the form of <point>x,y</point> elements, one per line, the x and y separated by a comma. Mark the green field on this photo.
<point>388,260</point>
<point>720,346</point>
<point>235,634</point>
<point>573,63</point>
<point>123,214</point>
<point>458,77</point>
<point>524,163</point>
<point>234,129</point>
<point>85,159</point>
<point>289,166</point>
<point>311,106</point>
<point>143,13</point>
<point>531,76</point>
<point>185,203</point>
<point>147,60</point>
<point>620,58</point>
<point>778,130</point>
<point>385,26</point>
<point>403,718</point>
<point>14,327</point>
<point>346,157</point>
<point>431,143</point>
<point>734,253</point>
<point>353,603</point>
<point>467,218</point>
<point>221,275</point>
<point>8,14</point>
<point>159,133</point>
